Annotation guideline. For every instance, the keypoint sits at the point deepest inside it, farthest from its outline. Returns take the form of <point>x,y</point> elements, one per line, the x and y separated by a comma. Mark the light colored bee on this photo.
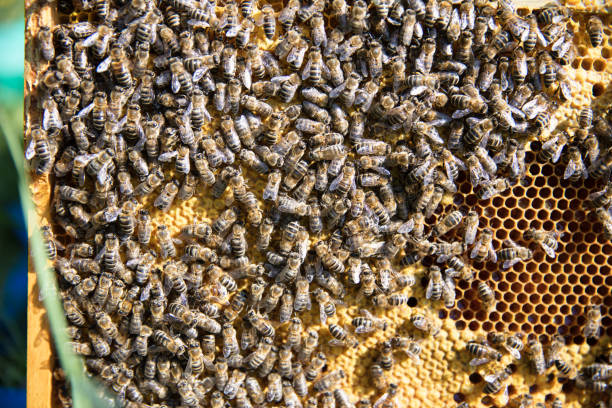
<point>483,353</point>
<point>425,324</point>
<point>328,380</point>
<point>367,322</point>
<point>486,295</point>
<point>535,353</point>
<point>595,30</point>
<point>592,327</point>
<point>546,239</point>
<point>512,343</point>
<point>483,249</point>
<point>471,228</point>
<point>424,61</point>
<point>606,219</point>
<point>513,253</point>
<point>478,174</point>
<point>165,241</point>
<point>341,336</point>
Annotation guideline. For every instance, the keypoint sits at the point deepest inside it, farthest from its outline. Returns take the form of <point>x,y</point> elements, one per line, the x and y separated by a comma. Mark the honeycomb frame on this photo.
<point>445,377</point>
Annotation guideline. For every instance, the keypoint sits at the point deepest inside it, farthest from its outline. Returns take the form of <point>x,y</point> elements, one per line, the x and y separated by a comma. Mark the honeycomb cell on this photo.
<point>518,191</point>
<point>509,223</point>
<point>497,202</point>
<point>526,328</point>
<point>576,63</point>
<point>516,213</point>
<point>606,52</point>
<point>460,325</point>
<point>599,65</point>
<point>535,223</point>
<point>598,89</point>
<point>473,325</point>
<point>514,307</point>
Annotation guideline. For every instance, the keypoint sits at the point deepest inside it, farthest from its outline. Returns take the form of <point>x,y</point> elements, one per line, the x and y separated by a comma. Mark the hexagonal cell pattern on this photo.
<point>542,296</point>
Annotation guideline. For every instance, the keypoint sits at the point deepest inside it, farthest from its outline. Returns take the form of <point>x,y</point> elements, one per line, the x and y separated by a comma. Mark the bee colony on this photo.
<point>396,203</point>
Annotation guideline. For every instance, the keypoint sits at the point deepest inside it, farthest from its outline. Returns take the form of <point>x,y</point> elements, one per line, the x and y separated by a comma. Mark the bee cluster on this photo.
<point>358,118</point>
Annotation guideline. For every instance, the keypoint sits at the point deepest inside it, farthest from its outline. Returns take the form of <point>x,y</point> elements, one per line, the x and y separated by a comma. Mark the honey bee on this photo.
<point>341,337</point>
<point>329,380</point>
<point>546,239</point>
<point>595,30</point>
<point>367,323</point>
<point>513,253</point>
<point>483,249</point>
<point>592,328</point>
<point>425,324</point>
<point>483,353</point>
<point>486,295</point>
<point>536,356</point>
<point>315,366</point>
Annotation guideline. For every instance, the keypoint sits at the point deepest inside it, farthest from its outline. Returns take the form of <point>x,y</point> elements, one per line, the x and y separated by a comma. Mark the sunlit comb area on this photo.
<point>325,204</point>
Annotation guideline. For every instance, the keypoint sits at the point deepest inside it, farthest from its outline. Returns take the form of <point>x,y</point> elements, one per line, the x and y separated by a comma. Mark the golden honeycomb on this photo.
<point>541,297</point>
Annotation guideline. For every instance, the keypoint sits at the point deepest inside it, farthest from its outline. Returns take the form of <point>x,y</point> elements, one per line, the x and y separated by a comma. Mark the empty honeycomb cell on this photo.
<point>521,297</point>
<point>442,314</point>
<point>551,330</point>
<point>520,317</point>
<point>566,268</point>
<point>515,235</point>
<point>508,296</point>
<point>580,320</point>
<point>582,50</point>
<point>558,320</point>
<point>545,319</point>
<point>481,315</point>
<point>578,289</point>
<point>514,307</point>
<point>559,299</point>
<point>540,180</point>
<point>586,64</point>
<point>474,325</point>
<point>461,305</point>
<point>576,235</point>
<point>494,316</point>
<point>530,266</point>
<point>516,213</point>
<point>509,223</point>
<point>592,269</point>
<point>454,315</point>
<point>562,204</point>
<point>534,169</point>
<point>552,309</point>
<point>548,278</point>
<point>565,289</point>
<point>532,192</point>
<point>502,212</point>
<point>465,188</point>
<point>523,202</point>
<point>536,277</point>
<point>569,193</point>
<point>599,65</point>
<point>471,200</point>
<point>537,224</point>
<point>460,325</point>
<point>547,170</point>
<point>598,89</point>
<point>606,52</point>
<point>468,314</point>
<point>503,234</point>
<point>571,299</point>
<point>525,327</point>
<point>569,247</point>
<point>579,269</point>
<point>538,328</point>
<point>555,215</point>
<point>518,191</point>
<point>582,193</point>
<point>574,204</point>
<point>597,280</point>
<point>497,202</point>
<point>463,285</point>
<point>576,63</point>
<point>546,297</point>
<point>511,277</point>
<point>586,258</point>
<point>553,288</point>
<point>556,268</point>
<point>534,298</point>
<point>602,290</point>
<point>507,317</point>
<point>513,327</point>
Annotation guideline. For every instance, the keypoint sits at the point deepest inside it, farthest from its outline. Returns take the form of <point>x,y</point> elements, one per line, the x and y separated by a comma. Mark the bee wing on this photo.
<point>570,169</point>
<point>168,156</point>
<point>336,91</point>
<point>430,287</point>
<point>247,76</point>
<point>504,397</point>
<point>460,113</point>
<point>199,74</point>
<point>306,70</point>
<point>509,263</point>
<point>336,342</point>
<point>565,89</point>
<point>406,227</point>
<point>492,254</point>
<point>470,234</point>
<point>479,361</point>
<point>513,352</point>
<point>30,151</point>
<point>557,154</point>
<point>104,65</point>
<point>379,402</point>
<point>89,41</point>
<point>475,249</point>
<point>334,184</point>
<point>50,116</point>
<point>175,84</point>
<point>549,251</point>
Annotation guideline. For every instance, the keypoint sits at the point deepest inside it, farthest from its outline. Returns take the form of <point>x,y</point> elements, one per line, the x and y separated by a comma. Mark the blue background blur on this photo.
<point>13,240</point>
